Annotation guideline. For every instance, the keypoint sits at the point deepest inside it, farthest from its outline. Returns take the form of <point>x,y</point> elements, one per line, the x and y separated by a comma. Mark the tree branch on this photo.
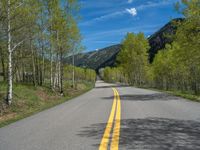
<point>19,5</point>
<point>18,44</point>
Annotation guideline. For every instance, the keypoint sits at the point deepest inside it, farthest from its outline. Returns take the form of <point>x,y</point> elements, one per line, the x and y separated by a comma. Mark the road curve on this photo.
<point>143,119</point>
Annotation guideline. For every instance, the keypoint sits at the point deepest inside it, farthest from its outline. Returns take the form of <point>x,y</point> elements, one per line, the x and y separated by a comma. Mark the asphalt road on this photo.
<point>138,119</point>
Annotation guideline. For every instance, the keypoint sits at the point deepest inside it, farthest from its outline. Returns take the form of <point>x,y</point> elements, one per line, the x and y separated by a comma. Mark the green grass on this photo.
<point>28,100</point>
<point>186,95</point>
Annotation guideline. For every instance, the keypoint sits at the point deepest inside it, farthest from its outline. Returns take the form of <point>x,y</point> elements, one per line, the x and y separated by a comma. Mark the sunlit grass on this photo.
<point>28,99</point>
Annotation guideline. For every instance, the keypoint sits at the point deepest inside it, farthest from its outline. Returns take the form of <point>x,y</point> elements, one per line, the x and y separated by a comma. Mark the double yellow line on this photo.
<point>113,125</point>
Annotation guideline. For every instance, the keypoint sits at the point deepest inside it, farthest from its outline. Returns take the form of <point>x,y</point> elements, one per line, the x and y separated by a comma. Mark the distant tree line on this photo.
<point>177,67</point>
<point>35,37</point>
<point>80,74</point>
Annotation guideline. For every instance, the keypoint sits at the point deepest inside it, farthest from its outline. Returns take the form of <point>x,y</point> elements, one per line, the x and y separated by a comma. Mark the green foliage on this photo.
<point>176,67</point>
<point>43,33</point>
<point>107,56</point>
<point>81,74</point>
<point>113,75</point>
<point>133,58</point>
<point>133,62</point>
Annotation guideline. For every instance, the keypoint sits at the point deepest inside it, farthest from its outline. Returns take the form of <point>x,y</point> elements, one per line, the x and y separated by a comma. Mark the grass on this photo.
<point>28,100</point>
<point>186,95</point>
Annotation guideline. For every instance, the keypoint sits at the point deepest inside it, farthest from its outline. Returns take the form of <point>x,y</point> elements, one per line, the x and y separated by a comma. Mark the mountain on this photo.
<point>107,56</point>
<point>163,36</point>
<point>96,59</point>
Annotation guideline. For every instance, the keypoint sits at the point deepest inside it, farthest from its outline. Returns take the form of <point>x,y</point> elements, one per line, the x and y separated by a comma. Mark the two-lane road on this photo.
<point>109,117</point>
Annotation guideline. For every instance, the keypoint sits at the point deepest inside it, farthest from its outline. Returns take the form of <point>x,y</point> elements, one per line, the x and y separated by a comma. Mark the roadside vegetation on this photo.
<point>35,38</point>
<point>175,68</point>
<point>28,99</point>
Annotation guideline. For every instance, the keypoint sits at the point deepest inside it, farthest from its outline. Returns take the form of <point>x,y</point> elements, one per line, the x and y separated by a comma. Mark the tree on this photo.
<point>187,37</point>
<point>15,22</point>
<point>133,57</point>
<point>177,66</point>
<point>36,36</point>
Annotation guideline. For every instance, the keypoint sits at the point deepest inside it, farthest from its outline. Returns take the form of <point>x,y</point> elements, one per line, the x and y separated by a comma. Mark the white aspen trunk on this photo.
<point>43,58</point>
<point>10,82</point>
<point>55,78</point>
<point>56,81</point>
<point>51,80</point>
<point>10,85</point>
<point>33,64</point>
<point>73,72</point>
<point>51,59</point>
<point>59,79</point>
<point>43,69</point>
<point>61,73</point>
<point>58,60</point>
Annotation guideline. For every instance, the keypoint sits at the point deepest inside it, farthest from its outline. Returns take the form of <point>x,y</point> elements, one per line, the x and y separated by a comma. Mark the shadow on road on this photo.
<point>145,97</point>
<point>152,133</point>
<point>111,86</point>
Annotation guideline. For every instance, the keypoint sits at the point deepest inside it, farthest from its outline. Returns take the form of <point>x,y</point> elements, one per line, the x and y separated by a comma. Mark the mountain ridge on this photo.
<point>107,56</point>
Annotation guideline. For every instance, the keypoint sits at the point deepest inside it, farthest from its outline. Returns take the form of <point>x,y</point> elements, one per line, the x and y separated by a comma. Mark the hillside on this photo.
<point>96,59</point>
<point>107,56</point>
<point>158,40</point>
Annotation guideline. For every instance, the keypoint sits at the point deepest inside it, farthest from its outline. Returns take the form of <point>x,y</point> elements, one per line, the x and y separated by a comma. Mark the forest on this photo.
<point>175,68</point>
<point>35,38</point>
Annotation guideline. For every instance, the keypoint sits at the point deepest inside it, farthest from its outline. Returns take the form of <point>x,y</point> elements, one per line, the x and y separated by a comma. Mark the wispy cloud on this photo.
<point>95,4</point>
<point>104,17</point>
<point>150,4</point>
<point>111,15</point>
<point>132,11</point>
<point>130,1</point>
<point>99,37</point>
<point>122,31</point>
<point>104,42</point>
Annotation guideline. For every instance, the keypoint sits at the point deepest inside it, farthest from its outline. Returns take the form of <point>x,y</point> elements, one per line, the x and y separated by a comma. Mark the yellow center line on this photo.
<point>115,116</point>
<point>116,131</point>
<point>106,136</point>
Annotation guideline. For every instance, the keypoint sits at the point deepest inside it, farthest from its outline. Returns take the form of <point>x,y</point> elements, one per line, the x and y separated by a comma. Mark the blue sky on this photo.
<point>106,22</point>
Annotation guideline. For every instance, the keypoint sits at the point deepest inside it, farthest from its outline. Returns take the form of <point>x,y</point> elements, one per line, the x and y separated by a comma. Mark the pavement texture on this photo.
<point>150,120</point>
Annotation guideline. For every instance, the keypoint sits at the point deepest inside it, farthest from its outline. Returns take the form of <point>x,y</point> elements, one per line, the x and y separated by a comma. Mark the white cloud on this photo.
<point>130,1</point>
<point>132,11</point>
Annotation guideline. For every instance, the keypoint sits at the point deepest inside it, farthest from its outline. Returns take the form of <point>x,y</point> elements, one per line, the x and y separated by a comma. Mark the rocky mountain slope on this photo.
<point>96,59</point>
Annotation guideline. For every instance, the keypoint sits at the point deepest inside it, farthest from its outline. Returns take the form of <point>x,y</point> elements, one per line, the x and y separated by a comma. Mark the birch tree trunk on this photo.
<point>33,63</point>
<point>51,72</point>
<point>43,68</point>
<point>73,72</point>
<point>61,74</point>
<point>10,84</point>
